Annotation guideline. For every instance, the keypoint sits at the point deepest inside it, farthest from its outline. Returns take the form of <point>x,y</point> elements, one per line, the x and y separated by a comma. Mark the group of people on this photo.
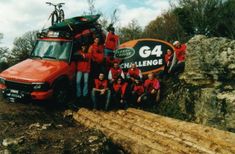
<point>109,81</point>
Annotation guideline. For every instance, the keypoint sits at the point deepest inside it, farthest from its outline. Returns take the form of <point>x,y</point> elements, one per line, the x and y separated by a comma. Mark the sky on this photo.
<point>20,16</point>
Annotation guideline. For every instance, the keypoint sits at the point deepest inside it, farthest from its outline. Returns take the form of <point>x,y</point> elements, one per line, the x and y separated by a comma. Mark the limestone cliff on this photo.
<point>205,92</point>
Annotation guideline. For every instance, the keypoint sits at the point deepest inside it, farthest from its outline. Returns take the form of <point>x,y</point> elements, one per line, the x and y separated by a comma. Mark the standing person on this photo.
<point>101,91</point>
<point>115,72</point>
<point>152,87</point>
<point>179,58</point>
<point>111,42</point>
<point>97,53</point>
<point>168,60</point>
<point>119,92</point>
<point>134,73</point>
<point>83,69</point>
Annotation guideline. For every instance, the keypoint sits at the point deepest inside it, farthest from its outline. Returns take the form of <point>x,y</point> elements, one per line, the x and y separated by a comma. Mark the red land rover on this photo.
<point>51,68</point>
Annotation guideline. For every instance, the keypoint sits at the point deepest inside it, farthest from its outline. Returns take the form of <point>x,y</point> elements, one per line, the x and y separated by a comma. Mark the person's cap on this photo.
<point>176,42</point>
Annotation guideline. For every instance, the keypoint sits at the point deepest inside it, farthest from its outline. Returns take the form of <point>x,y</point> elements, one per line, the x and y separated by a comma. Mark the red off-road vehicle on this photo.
<point>51,69</point>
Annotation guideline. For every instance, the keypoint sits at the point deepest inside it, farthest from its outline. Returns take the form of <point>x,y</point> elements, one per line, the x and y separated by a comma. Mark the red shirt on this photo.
<point>180,52</point>
<point>115,73</point>
<point>111,41</point>
<point>139,89</point>
<point>97,52</point>
<point>101,84</point>
<point>120,87</point>
<point>134,73</point>
<point>151,84</point>
<point>168,58</point>
<point>84,64</point>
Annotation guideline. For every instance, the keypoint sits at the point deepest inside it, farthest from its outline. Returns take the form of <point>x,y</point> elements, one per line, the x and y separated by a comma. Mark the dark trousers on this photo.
<point>116,97</point>
<point>178,68</point>
<point>134,97</point>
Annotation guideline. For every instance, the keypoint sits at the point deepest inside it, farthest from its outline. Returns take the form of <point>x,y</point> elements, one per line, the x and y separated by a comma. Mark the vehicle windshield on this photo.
<point>59,50</point>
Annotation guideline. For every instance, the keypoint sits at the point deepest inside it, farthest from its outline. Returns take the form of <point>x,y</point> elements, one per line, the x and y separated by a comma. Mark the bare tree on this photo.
<point>91,5</point>
<point>22,46</point>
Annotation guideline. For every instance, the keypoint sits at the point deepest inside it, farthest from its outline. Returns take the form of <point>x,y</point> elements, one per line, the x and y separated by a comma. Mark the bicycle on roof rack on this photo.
<point>58,14</point>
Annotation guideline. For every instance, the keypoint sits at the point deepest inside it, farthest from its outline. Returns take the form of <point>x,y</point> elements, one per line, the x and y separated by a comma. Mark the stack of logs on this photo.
<point>143,132</point>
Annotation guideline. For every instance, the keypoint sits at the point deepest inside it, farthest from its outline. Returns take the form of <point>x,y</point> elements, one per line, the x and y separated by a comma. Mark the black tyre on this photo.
<point>61,93</point>
<point>54,18</point>
<point>61,16</point>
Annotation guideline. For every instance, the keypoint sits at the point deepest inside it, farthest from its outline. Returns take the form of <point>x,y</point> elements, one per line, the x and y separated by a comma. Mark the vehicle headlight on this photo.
<point>2,80</point>
<point>40,86</point>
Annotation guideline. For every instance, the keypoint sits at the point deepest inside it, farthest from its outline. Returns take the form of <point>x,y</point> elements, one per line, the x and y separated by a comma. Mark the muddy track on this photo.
<point>143,132</point>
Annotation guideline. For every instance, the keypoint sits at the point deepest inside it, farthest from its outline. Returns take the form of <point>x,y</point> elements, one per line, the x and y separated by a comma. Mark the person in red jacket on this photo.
<point>111,42</point>
<point>83,69</point>
<point>168,61</point>
<point>101,91</point>
<point>115,72</point>
<point>110,60</point>
<point>179,58</point>
<point>152,88</point>
<point>133,73</point>
<point>138,92</point>
<point>119,91</point>
<point>97,53</point>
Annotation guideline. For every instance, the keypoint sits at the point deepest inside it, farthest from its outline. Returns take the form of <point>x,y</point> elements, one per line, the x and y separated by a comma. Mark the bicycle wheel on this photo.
<point>61,15</point>
<point>54,18</point>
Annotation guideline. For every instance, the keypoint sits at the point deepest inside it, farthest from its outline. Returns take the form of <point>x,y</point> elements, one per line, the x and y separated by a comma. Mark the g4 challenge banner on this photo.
<point>147,54</point>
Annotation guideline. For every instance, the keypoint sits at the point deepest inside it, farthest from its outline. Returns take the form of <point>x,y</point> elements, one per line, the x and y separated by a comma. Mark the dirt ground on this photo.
<point>33,128</point>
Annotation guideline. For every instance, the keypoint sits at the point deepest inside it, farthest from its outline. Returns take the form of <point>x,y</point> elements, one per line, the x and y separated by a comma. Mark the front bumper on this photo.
<point>14,95</point>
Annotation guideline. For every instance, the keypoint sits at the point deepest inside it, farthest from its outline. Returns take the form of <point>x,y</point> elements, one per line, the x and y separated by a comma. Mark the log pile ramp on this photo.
<point>142,132</point>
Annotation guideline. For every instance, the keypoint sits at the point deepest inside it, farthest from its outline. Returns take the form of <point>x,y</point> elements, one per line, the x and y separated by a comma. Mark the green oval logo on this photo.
<point>124,53</point>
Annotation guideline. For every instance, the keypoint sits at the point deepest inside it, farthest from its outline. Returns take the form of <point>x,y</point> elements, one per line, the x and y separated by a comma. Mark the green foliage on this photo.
<point>131,32</point>
<point>191,17</point>
<point>165,27</point>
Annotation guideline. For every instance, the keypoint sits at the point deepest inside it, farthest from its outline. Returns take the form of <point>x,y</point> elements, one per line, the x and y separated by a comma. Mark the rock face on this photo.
<point>205,92</point>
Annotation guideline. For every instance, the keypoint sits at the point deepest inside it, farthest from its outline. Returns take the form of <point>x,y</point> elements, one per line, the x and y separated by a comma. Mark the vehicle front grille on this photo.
<point>19,86</point>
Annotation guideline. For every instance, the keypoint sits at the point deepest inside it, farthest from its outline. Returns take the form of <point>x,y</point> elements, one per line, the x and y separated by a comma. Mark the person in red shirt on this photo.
<point>110,60</point>
<point>111,42</point>
<point>168,61</point>
<point>138,92</point>
<point>101,91</point>
<point>83,69</point>
<point>152,88</point>
<point>115,72</point>
<point>97,53</point>
<point>179,58</point>
<point>133,73</point>
<point>119,92</point>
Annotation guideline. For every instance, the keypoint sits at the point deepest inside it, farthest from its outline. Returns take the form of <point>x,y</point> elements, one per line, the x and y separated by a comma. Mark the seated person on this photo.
<point>110,60</point>
<point>152,87</point>
<point>133,73</point>
<point>138,95</point>
<point>115,72</point>
<point>101,91</point>
<point>119,91</point>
